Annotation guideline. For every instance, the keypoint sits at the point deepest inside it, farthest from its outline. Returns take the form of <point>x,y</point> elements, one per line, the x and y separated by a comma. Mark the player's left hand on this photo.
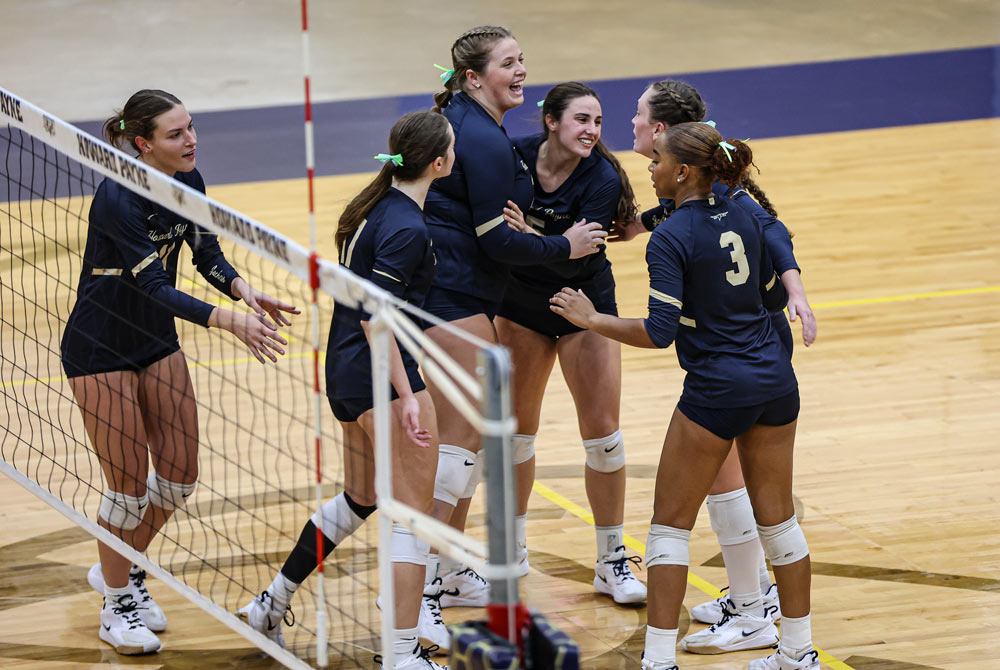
<point>411,423</point>
<point>262,303</point>
<point>574,306</point>
<point>514,217</point>
<point>622,231</point>
<point>798,308</point>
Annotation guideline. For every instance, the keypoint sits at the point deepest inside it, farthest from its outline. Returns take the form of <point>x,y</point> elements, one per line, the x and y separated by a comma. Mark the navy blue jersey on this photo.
<point>464,211</point>
<point>779,242</point>
<point>711,282</point>
<point>591,192</point>
<point>126,299</point>
<point>392,249</point>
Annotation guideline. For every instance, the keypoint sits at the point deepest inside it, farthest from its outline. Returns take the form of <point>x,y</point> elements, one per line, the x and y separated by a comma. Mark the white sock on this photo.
<point>765,576</point>
<point>744,580</point>
<point>447,564</point>
<point>609,538</point>
<point>796,636</point>
<point>521,533</point>
<point>281,591</point>
<point>661,645</point>
<point>111,594</point>
<point>432,568</point>
<point>404,642</point>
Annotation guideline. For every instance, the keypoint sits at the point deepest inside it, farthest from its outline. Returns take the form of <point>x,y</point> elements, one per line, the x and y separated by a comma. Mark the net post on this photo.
<point>381,331</point>
<point>505,613</point>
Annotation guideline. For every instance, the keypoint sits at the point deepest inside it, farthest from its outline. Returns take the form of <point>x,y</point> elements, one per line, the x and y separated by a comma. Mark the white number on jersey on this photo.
<point>739,256</point>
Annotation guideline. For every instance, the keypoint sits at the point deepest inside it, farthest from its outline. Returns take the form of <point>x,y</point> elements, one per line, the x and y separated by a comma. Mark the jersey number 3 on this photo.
<point>739,256</point>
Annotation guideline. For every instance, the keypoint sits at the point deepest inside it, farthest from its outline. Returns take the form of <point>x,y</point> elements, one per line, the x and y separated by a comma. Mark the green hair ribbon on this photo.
<point>726,146</point>
<point>446,73</point>
<point>121,124</point>
<point>541,103</point>
<point>708,123</point>
<point>397,159</point>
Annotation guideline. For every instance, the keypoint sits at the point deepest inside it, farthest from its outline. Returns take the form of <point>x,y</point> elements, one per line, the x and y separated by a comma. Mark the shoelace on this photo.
<point>434,603</point>
<point>729,611</point>
<point>138,578</point>
<point>619,566</point>
<point>423,653</point>
<point>472,573</point>
<point>263,598</point>
<point>129,609</point>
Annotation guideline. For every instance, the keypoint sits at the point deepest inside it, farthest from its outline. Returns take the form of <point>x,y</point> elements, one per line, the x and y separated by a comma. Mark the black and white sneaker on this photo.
<point>613,576</point>
<point>419,659</point>
<point>430,624</point>
<point>123,629</point>
<point>263,618</point>
<point>149,611</point>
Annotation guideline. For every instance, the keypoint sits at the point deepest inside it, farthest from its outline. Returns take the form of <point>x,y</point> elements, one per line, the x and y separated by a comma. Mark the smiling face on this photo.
<point>500,83</point>
<point>172,146</point>
<point>579,128</point>
<point>644,129</point>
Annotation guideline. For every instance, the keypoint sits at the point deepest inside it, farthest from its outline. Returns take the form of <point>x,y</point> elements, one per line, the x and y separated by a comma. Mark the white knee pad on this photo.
<point>606,454</point>
<point>732,517</point>
<point>523,447</point>
<point>339,520</point>
<point>122,511</point>
<point>166,494</point>
<point>784,544</point>
<point>667,546</point>
<point>477,474</point>
<point>407,547</point>
<point>455,467</point>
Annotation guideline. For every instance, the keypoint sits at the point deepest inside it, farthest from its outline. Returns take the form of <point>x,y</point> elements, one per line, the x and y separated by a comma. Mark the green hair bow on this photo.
<point>397,159</point>
<point>446,73</point>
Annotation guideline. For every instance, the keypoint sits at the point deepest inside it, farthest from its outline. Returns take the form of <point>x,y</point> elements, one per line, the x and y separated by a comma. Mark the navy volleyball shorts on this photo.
<point>731,422</point>
<point>449,305</point>
<point>528,305</point>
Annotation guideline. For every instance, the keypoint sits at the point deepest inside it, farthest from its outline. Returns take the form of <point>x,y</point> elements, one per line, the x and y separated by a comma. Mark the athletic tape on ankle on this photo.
<point>339,520</point>
<point>606,454</point>
<point>523,447</point>
<point>407,547</point>
<point>476,476</point>
<point>165,494</point>
<point>732,517</point>
<point>455,469</point>
<point>667,546</point>
<point>785,543</point>
<point>122,511</point>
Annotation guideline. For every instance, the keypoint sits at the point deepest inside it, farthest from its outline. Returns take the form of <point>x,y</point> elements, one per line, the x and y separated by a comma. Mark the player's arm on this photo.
<point>489,176</point>
<point>398,256</point>
<point>772,290</point>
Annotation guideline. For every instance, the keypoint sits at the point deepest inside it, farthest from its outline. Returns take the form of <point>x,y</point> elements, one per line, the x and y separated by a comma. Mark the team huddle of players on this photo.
<point>503,239</point>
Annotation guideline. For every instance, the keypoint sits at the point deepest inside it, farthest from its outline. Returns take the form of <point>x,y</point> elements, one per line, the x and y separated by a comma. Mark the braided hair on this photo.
<point>471,51</point>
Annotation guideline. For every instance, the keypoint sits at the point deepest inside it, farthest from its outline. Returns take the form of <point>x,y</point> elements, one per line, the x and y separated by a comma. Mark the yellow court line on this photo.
<point>637,546</point>
<point>908,296</point>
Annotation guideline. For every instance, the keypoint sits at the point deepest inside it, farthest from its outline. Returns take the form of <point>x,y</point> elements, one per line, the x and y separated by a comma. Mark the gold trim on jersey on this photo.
<point>109,272</point>
<point>144,263</point>
<point>688,322</point>
<point>346,259</point>
<point>663,297</point>
<point>386,274</point>
<point>774,278</point>
<point>484,228</point>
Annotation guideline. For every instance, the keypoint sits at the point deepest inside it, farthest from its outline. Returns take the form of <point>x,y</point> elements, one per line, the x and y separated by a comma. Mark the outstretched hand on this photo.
<point>574,306</point>
<point>263,304</point>
<point>514,217</point>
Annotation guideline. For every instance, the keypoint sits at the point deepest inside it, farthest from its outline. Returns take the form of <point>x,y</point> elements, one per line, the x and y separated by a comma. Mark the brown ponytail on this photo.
<point>419,138</point>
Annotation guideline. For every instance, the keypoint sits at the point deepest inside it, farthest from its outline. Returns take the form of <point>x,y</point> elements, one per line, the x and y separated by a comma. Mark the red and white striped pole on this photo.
<point>321,622</point>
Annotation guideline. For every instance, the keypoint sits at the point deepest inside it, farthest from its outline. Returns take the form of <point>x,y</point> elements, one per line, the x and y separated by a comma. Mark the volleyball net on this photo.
<point>269,449</point>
